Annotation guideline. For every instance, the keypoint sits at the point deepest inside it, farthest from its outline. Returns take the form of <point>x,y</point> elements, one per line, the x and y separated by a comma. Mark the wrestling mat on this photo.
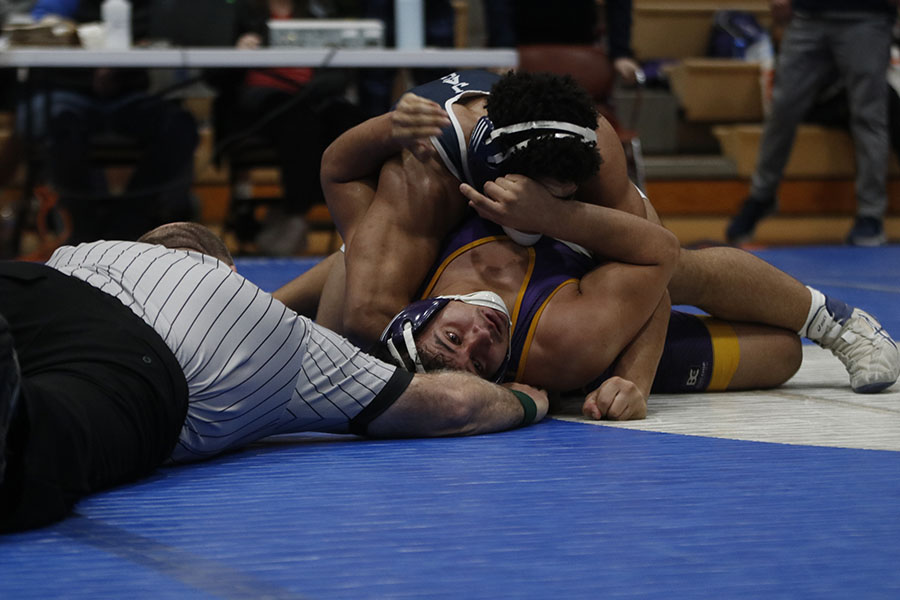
<point>789,493</point>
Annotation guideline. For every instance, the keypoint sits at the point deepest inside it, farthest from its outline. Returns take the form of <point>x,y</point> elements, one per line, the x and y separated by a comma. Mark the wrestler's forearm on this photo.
<point>394,245</point>
<point>349,173</point>
<point>302,293</point>
<point>384,270</point>
<point>360,151</point>
<point>613,234</point>
<point>453,403</point>
<point>640,358</point>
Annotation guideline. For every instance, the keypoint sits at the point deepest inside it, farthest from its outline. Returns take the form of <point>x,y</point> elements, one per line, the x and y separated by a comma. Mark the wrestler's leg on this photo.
<point>703,354</point>
<point>735,285</point>
<point>303,293</point>
<point>331,306</point>
<point>769,356</point>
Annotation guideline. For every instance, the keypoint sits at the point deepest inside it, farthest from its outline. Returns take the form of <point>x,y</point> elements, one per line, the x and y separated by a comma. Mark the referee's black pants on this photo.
<point>102,400</point>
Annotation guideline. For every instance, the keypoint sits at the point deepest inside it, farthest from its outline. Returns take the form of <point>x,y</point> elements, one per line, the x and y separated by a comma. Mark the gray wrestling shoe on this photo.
<point>867,351</point>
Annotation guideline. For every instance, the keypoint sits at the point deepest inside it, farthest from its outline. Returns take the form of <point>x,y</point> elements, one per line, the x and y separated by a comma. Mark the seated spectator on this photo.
<point>298,111</point>
<point>573,22</point>
<point>75,106</point>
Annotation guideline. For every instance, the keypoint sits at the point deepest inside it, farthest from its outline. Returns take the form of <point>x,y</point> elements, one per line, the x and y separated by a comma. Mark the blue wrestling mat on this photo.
<point>558,510</point>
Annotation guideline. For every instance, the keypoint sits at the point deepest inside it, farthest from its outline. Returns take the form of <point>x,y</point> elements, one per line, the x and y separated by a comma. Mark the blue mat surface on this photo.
<point>558,510</point>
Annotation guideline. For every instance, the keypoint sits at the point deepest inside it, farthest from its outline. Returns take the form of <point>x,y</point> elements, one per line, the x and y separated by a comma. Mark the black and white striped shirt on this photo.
<point>254,368</point>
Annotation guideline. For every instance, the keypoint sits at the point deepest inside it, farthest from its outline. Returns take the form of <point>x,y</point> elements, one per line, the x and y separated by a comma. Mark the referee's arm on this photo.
<point>457,403</point>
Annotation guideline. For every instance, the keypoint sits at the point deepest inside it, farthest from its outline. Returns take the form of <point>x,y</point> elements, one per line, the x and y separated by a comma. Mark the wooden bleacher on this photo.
<point>699,180</point>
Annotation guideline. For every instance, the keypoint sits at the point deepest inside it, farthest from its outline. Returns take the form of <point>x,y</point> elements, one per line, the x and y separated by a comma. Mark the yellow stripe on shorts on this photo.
<point>726,353</point>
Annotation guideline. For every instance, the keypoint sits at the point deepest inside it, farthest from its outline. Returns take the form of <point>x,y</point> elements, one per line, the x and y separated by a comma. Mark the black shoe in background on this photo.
<point>867,231</point>
<point>742,226</point>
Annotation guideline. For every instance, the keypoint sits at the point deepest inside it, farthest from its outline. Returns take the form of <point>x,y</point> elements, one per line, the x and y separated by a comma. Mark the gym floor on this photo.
<point>790,493</point>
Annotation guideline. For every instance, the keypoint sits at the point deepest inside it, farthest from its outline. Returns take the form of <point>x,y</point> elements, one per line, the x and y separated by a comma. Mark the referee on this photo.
<point>116,357</point>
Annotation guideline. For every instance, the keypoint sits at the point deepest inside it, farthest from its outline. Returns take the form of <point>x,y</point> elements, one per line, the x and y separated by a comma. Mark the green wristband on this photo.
<point>529,406</point>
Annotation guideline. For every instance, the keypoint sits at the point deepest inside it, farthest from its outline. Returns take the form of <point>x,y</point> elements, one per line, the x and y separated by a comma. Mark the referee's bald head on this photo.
<point>184,235</point>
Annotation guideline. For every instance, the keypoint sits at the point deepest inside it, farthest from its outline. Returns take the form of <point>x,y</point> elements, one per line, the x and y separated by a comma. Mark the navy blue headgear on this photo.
<point>399,335</point>
<point>488,147</point>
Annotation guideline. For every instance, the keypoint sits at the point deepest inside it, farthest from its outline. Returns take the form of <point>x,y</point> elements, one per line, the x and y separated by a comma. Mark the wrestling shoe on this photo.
<point>742,226</point>
<point>867,351</point>
<point>10,378</point>
<point>867,231</point>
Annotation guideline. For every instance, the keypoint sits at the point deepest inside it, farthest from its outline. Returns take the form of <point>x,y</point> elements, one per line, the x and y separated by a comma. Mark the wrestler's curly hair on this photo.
<point>519,97</point>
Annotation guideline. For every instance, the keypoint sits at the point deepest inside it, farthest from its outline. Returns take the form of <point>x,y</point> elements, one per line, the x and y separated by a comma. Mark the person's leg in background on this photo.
<point>862,54</point>
<point>803,64</point>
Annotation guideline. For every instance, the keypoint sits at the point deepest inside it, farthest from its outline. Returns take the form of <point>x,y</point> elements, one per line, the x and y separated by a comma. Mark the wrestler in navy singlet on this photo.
<point>692,342</point>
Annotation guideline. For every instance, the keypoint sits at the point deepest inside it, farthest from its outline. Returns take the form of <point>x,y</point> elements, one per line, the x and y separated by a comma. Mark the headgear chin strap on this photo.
<point>489,148</point>
<point>399,335</point>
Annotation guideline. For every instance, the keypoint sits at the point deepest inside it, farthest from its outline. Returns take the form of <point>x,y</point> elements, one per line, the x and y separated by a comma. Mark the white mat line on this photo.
<point>849,445</point>
<point>894,411</point>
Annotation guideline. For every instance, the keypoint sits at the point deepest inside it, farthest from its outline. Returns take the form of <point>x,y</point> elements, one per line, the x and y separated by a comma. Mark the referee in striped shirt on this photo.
<point>116,357</point>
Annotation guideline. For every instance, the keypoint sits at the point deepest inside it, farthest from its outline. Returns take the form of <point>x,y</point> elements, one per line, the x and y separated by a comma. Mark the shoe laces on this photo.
<point>860,335</point>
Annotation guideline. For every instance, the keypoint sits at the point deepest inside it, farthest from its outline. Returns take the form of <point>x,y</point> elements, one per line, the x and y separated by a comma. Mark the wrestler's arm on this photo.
<point>523,203</point>
<point>351,164</point>
<point>624,395</point>
<point>349,175</point>
<point>610,186</point>
<point>618,311</point>
<point>395,244</point>
<point>455,403</point>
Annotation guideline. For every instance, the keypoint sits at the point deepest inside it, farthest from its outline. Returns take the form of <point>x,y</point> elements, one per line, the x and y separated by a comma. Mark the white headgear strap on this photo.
<point>588,136</point>
<point>554,129</point>
<point>410,349</point>
<point>483,298</point>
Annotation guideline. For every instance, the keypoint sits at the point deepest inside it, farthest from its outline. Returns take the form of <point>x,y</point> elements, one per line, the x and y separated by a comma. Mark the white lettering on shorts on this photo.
<point>693,375</point>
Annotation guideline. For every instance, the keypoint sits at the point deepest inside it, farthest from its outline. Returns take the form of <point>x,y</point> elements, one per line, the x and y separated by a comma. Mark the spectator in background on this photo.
<point>299,111</point>
<point>852,38</point>
<point>82,103</point>
<point>376,86</point>
<point>572,22</point>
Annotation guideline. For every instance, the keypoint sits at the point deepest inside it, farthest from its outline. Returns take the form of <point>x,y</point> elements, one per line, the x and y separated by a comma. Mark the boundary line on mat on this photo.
<point>205,575</point>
